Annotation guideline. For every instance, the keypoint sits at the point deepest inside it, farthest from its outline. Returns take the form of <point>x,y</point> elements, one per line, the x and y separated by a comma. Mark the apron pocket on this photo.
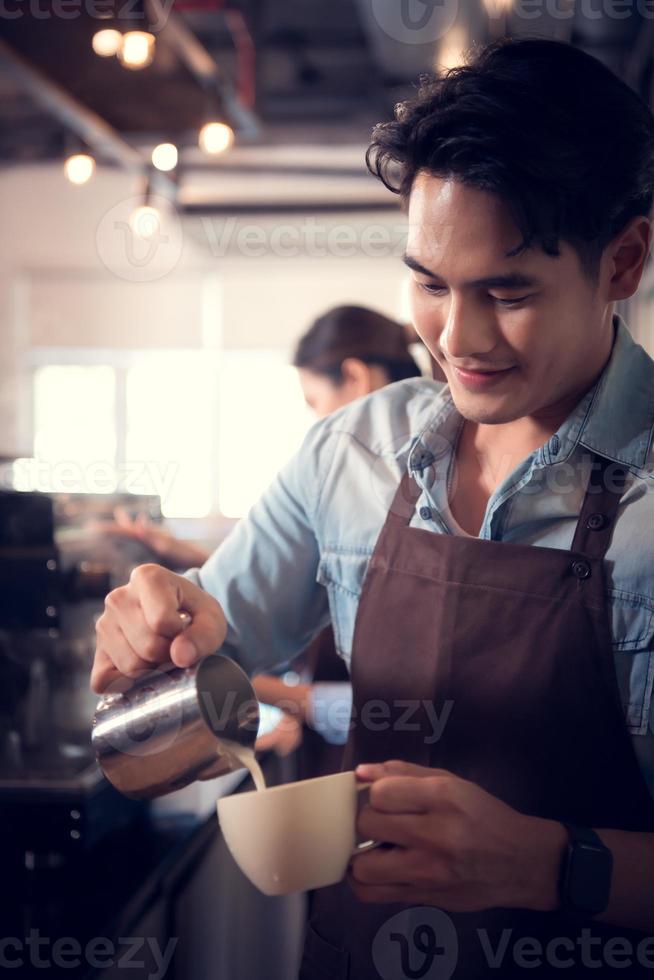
<point>321,960</point>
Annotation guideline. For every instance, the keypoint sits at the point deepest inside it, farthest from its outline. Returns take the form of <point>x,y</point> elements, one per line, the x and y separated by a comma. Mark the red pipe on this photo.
<point>245,57</point>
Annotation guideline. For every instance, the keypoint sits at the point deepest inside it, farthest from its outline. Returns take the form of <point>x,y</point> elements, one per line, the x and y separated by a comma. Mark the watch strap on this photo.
<point>586,870</point>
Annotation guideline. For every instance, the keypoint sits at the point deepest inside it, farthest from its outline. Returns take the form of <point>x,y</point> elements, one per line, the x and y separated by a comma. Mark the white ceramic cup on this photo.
<point>297,836</point>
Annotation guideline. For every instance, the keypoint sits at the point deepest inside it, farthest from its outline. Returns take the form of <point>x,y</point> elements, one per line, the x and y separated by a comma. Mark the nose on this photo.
<point>467,332</point>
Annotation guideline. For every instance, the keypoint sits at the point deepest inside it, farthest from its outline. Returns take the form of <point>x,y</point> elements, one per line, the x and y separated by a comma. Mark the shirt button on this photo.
<point>596,522</point>
<point>581,569</point>
<point>425,513</point>
<point>555,445</point>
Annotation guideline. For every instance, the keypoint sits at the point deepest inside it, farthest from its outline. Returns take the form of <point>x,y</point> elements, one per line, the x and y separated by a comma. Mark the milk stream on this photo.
<point>246,757</point>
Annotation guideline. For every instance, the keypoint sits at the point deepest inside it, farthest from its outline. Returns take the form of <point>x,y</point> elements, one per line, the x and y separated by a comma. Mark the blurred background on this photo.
<point>183,191</point>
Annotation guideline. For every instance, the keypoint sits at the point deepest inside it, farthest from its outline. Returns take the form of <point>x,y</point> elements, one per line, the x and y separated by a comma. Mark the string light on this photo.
<point>79,168</point>
<point>495,8</point>
<point>137,50</point>
<point>452,49</point>
<point>215,137</point>
<point>145,221</point>
<point>107,43</point>
<point>164,156</point>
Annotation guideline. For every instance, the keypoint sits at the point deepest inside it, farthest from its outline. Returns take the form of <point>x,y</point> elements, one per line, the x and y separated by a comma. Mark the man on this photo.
<point>486,547</point>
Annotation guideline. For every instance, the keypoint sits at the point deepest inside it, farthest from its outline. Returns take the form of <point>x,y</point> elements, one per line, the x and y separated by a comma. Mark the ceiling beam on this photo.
<point>91,128</point>
<point>203,67</point>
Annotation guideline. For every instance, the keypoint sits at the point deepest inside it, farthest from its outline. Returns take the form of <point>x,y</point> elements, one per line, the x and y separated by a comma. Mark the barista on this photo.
<point>487,547</point>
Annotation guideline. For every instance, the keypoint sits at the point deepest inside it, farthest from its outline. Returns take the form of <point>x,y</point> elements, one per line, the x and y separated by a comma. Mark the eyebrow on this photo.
<point>510,280</point>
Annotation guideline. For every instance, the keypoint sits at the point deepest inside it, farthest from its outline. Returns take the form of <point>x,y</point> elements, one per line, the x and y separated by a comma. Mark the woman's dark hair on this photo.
<point>562,140</point>
<point>355,331</point>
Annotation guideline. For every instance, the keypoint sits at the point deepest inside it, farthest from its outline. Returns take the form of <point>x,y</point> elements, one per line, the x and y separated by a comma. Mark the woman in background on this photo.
<point>347,353</point>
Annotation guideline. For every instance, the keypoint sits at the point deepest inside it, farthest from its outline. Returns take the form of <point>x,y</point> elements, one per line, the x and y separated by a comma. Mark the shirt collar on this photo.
<point>615,419</point>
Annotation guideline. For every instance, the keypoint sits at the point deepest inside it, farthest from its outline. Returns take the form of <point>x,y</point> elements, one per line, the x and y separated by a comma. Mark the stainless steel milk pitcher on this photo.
<point>175,726</point>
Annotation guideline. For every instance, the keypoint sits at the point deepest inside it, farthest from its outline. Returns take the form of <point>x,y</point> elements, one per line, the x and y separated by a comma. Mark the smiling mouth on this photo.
<point>476,371</point>
<point>480,378</point>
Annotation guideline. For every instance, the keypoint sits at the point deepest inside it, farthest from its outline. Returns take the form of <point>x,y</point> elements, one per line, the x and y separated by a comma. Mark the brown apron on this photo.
<point>518,639</point>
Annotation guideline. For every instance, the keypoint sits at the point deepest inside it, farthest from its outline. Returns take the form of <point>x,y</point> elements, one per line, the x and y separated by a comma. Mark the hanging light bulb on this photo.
<point>164,156</point>
<point>137,50</point>
<point>215,137</point>
<point>79,168</point>
<point>107,42</point>
<point>495,8</point>
<point>451,52</point>
<point>145,222</point>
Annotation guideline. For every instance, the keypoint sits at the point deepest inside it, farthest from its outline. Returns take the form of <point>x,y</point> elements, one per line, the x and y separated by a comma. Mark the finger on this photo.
<point>402,794</point>
<point>403,829</point>
<point>107,679</point>
<point>265,742</point>
<point>125,611</point>
<point>157,592</point>
<point>208,628</point>
<point>124,657</point>
<point>393,767</point>
<point>382,894</point>
<point>104,674</point>
<point>385,866</point>
<point>122,518</point>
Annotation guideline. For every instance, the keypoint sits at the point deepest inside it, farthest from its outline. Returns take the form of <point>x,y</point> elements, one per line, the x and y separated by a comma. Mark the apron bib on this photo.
<point>517,640</point>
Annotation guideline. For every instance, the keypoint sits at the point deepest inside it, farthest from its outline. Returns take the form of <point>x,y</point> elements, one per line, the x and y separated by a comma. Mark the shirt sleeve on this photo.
<point>329,710</point>
<point>264,573</point>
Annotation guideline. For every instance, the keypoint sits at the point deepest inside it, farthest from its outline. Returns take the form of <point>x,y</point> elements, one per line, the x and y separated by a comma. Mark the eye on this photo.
<point>510,302</point>
<point>432,289</point>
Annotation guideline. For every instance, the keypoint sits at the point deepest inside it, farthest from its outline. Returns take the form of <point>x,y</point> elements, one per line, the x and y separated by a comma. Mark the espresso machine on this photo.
<point>54,802</point>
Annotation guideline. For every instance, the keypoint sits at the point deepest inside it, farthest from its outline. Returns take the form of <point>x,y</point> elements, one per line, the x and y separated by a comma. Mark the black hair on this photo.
<point>355,331</point>
<point>563,141</point>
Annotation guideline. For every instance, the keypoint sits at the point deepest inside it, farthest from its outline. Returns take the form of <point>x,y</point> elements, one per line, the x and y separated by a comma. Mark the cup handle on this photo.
<point>361,846</point>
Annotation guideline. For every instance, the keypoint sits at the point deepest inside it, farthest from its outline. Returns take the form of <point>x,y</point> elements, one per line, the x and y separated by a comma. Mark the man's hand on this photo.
<point>283,739</point>
<point>141,627</point>
<point>458,847</point>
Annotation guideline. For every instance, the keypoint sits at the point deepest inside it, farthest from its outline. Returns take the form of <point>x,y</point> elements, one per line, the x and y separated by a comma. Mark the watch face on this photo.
<point>589,880</point>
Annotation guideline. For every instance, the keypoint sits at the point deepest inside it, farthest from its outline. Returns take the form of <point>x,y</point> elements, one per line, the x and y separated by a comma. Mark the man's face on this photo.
<point>515,337</point>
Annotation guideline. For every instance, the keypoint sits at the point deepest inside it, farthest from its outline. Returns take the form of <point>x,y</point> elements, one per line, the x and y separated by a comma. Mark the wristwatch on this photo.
<point>585,878</point>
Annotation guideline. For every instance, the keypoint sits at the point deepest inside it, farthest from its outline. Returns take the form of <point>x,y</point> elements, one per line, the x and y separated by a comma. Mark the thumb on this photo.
<point>207,630</point>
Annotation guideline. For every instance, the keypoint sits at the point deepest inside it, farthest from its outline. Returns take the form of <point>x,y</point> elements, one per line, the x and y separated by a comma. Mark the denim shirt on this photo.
<point>300,557</point>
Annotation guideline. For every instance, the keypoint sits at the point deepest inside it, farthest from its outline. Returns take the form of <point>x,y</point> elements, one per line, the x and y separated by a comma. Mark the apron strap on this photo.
<point>592,537</point>
<point>606,485</point>
<point>404,501</point>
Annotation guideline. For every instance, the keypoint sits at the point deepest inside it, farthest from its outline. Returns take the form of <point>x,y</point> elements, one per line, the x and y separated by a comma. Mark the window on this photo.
<point>263,419</point>
<point>205,432</point>
<point>74,428</point>
<point>169,429</point>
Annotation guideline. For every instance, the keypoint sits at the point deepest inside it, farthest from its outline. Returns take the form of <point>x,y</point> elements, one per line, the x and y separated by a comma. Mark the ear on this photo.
<point>357,376</point>
<point>626,255</point>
